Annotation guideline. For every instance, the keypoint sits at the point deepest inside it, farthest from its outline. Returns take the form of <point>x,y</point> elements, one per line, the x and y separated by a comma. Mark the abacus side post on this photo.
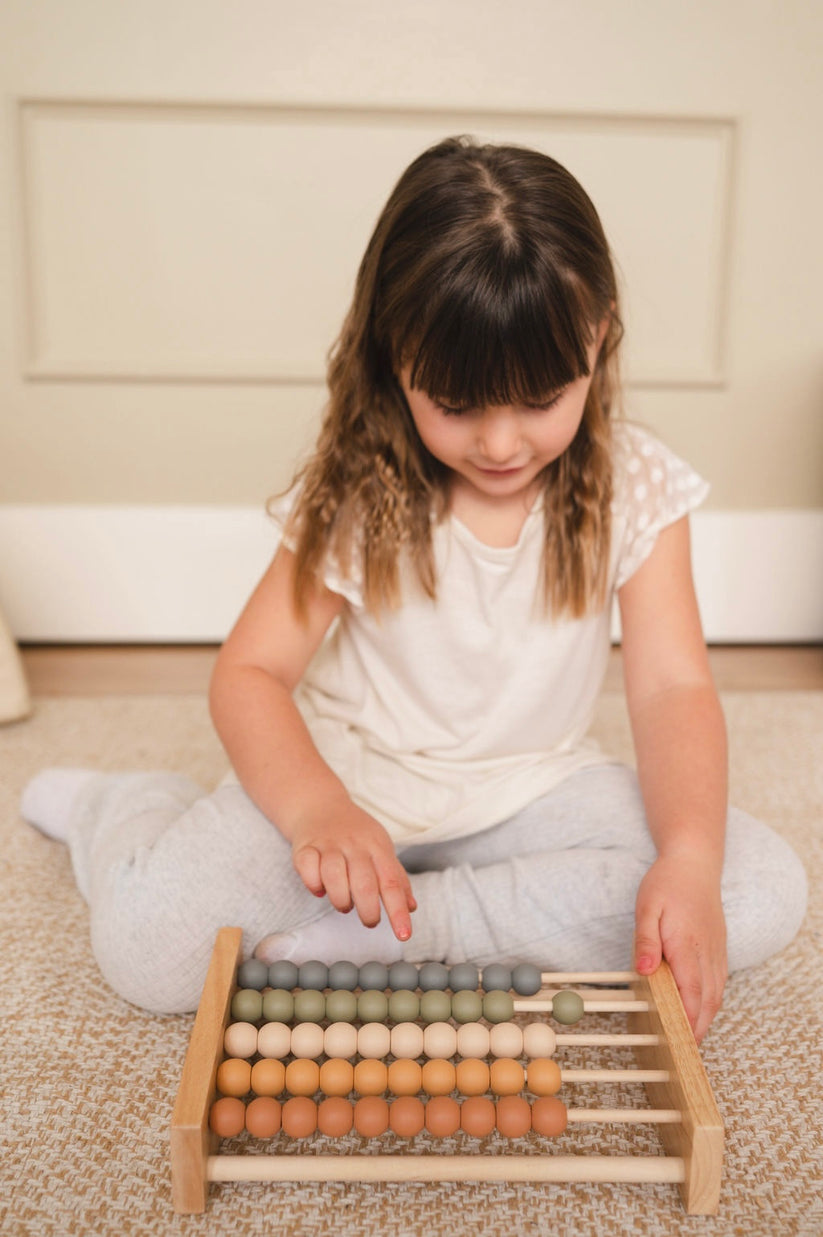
<point>698,1137</point>
<point>191,1138</point>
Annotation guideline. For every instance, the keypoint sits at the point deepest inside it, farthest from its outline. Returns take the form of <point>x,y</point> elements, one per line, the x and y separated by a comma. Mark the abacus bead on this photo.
<point>549,1116</point>
<point>314,975</point>
<point>403,975</point>
<point>240,1039</point>
<point>374,975</point>
<point>407,1116</point>
<point>336,1077</point>
<point>496,976</point>
<point>371,1077</point>
<point>252,974</point>
<point>435,1006</point>
<point>439,1077</point>
<point>227,1116</point>
<point>442,1116</point>
<point>278,1005</point>
<point>472,1076</point>
<point>246,1005</point>
<point>341,1005</point>
<point>307,1039</point>
<point>268,1077</point>
<point>526,979</point>
<point>404,1006</point>
<point>404,1077</point>
<point>302,1077</point>
<point>543,1076</point>
<point>407,1039</point>
<point>567,1007</point>
<point>506,1040</point>
<point>507,1077</point>
<point>283,974</point>
<point>372,1006</point>
<point>344,975</point>
<point>309,1006</point>
<point>340,1040</point>
<point>478,1116</point>
<point>335,1116</point>
<point>498,1006</point>
<point>374,1040</point>
<point>299,1117</point>
<point>539,1040</point>
<point>371,1116</point>
<point>473,1040</point>
<point>467,1006</point>
<point>514,1116</point>
<point>463,976</point>
<point>434,977</point>
<point>440,1039</point>
<point>274,1039</point>
<point>263,1117</point>
<point>234,1077</point>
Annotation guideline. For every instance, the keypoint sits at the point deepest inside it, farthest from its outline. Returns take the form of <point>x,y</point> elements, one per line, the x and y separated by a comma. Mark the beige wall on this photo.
<point>175,271</point>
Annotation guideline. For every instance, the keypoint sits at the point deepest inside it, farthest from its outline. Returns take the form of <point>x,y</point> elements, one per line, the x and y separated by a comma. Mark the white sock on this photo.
<point>333,937</point>
<point>48,800</point>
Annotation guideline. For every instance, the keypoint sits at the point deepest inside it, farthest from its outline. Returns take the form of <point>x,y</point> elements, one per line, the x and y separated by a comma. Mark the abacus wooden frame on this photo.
<point>693,1145</point>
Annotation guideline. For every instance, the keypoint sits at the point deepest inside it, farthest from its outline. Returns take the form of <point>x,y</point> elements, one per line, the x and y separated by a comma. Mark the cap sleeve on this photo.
<point>347,584</point>
<point>653,488</point>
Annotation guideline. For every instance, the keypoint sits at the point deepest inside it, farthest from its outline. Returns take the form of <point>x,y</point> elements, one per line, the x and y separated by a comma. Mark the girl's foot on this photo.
<point>49,799</point>
<point>332,937</point>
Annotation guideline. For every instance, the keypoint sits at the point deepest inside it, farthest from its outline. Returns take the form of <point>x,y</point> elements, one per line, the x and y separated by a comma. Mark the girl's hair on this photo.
<point>488,274</point>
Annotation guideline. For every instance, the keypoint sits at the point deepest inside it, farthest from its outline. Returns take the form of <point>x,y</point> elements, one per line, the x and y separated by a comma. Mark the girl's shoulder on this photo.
<point>343,578</point>
<point>652,487</point>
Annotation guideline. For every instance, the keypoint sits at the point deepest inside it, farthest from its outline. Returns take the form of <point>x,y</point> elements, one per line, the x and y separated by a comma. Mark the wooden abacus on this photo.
<point>682,1105</point>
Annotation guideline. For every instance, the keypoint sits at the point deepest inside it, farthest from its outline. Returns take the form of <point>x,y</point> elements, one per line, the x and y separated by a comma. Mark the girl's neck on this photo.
<point>496,522</point>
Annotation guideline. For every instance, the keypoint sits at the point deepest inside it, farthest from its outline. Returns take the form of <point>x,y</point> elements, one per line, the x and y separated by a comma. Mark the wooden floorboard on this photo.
<point>73,670</point>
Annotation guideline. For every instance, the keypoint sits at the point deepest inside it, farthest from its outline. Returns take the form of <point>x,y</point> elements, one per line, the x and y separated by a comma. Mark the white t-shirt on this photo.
<point>443,718</point>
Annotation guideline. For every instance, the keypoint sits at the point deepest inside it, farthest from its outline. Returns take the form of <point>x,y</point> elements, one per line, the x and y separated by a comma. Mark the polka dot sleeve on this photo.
<point>348,585</point>
<point>653,488</point>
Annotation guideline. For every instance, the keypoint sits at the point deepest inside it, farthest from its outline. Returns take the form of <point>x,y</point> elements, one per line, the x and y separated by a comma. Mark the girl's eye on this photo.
<point>546,405</point>
<point>449,411</point>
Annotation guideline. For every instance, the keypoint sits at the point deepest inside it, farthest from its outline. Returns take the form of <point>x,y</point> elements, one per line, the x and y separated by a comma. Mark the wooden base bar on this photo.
<point>669,1066</point>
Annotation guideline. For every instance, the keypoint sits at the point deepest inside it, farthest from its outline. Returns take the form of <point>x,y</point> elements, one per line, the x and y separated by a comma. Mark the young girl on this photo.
<point>406,696</point>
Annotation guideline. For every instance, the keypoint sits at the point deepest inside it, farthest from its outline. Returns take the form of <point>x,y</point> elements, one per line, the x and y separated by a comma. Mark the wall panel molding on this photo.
<point>217,242</point>
<point>181,574</point>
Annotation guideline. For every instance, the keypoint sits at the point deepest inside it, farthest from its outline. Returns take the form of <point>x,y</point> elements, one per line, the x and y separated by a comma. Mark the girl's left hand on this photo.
<point>679,917</point>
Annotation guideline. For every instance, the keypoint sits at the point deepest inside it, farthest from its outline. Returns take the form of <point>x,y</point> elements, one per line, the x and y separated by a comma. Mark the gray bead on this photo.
<point>282,974</point>
<point>463,977</point>
<point>403,975</point>
<point>374,975</point>
<point>253,974</point>
<point>526,979</point>
<point>496,977</point>
<point>434,977</point>
<point>344,976</point>
<point>313,975</point>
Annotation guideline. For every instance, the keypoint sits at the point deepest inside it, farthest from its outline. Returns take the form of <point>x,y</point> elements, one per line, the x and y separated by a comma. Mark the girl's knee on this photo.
<point>768,893</point>
<point>155,967</point>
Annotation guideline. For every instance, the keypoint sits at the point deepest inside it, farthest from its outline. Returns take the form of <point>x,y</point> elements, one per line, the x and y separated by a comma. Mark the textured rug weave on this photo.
<point>87,1083</point>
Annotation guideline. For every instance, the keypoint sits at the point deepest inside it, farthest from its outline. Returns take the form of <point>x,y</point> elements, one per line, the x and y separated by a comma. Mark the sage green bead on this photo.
<point>309,1005</point>
<point>247,1005</point>
<point>404,1006</point>
<point>372,1006</point>
<point>341,1006</point>
<point>435,1006</point>
<point>467,1006</point>
<point>278,1005</point>
<point>567,1007</point>
<point>498,1006</point>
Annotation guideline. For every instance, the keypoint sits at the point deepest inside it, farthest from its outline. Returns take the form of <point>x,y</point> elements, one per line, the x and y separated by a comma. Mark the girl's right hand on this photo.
<point>349,857</point>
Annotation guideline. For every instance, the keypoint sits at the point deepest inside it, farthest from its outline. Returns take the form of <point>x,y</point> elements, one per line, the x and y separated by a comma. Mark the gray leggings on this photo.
<point>164,865</point>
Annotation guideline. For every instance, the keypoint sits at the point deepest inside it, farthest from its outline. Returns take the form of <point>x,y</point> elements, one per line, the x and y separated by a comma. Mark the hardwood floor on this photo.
<point>93,670</point>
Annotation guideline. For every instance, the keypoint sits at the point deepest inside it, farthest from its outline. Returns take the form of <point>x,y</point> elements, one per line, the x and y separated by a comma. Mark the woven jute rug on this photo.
<point>88,1082</point>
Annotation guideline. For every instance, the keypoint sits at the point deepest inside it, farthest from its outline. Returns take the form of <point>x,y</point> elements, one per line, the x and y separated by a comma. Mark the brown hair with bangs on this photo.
<point>488,274</point>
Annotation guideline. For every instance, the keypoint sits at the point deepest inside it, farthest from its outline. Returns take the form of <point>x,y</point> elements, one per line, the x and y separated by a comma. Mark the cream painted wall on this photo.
<point>185,188</point>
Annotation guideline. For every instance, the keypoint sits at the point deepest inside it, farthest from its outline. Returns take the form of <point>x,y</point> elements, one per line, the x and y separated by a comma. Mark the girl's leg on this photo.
<point>163,866</point>
<point>556,884</point>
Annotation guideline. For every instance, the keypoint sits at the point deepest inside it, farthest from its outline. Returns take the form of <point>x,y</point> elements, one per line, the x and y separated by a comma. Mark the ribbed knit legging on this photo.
<point>163,865</point>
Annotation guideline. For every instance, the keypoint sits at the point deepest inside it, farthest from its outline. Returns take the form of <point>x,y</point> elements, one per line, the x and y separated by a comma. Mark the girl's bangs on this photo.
<point>478,347</point>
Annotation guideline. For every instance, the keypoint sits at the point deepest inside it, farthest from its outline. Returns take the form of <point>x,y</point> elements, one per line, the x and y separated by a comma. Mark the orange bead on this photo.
<point>234,1077</point>
<point>543,1076</point>
<point>299,1117</point>
<point>302,1077</point>
<point>227,1116</point>
<point>371,1077</point>
<point>442,1116</point>
<point>371,1116</point>
<point>514,1116</point>
<point>407,1116</point>
<point>336,1077</point>
<point>263,1117</point>
<point>549,1116</point>
<point>335,1116</point>
<point>439,1077</point>
<point>405,1077</point>
<point>268,1077</point>
<point>472,1077</point>
<point>507,1076</point>
<point>478,1116</point>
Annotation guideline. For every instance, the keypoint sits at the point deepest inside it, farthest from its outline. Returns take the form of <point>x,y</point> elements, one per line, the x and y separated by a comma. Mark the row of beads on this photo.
<point>373,1005</point>
<point>513,1116</point>
<point>376,1039</point>
<point>370,1076</point>
<point>524,978</point>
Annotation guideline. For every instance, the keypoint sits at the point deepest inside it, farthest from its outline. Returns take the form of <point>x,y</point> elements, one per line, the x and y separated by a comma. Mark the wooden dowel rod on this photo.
<point>614,1075</point>
<point>627,1006</point>
<point>571,1168</point>
<point>626,1116</point>
<point>588,977</point>
<point>595,1041</point>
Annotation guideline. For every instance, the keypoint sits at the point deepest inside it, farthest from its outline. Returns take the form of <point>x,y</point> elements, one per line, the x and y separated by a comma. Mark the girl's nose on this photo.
<point>499,435</point>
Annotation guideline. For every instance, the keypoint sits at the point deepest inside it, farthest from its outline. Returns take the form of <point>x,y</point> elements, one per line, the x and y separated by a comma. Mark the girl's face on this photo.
<point>500,451</point>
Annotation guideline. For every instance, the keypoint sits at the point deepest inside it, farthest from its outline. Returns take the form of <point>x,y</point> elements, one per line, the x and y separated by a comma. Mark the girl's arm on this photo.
<point>680,742</point>
<point>337,848</point>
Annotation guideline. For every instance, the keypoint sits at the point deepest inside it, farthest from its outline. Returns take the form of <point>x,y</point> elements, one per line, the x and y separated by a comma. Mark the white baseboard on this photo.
<point>181,574</point>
